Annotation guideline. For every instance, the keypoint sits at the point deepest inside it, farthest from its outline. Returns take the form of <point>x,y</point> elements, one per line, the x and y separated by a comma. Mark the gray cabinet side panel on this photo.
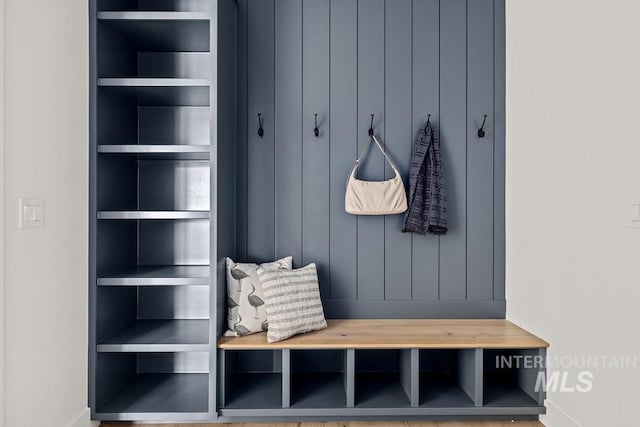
<point>344,146</point>
<point>261,154</point>
<point>370,259</point>
<point>288,128</point>
<point>426,100</point>
<point>480,150</point>
<point>315,150</point>
<point>398,141</point>
<point>453,124</point>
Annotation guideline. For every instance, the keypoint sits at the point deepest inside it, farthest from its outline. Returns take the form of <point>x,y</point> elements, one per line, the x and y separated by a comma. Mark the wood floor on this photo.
<point>358,424</point>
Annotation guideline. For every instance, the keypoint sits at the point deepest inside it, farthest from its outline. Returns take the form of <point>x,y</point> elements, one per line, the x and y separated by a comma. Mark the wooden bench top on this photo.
<point>399,333</point>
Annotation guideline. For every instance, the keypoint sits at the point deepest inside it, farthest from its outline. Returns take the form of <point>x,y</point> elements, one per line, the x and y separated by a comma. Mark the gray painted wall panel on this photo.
<point>401,61</point>
<point>344,146</point>
<point>288,144</point>
<point>241,187</point>
<point>453,124</point>
<point>370,258</point>
<point>480,150</point>
<point>398,138</point>
<point>426,100</point>
<point>315,151</point>
<point>261,153</point>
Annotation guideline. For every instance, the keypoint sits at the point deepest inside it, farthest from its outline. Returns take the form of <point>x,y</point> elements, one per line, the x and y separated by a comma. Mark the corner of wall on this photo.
<point>84,419</point>
<point>555,417</point>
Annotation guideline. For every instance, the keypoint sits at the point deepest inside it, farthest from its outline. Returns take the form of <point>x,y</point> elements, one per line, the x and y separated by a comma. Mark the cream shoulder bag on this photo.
<point>375,197</point>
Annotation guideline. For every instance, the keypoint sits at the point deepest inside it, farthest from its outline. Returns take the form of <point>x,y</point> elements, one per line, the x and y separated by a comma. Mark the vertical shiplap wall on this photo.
<point>400,60</point>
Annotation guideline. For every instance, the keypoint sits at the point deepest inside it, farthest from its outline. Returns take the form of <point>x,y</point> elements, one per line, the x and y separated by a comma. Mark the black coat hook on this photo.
<point>481,131</point>
<point>260,129</point>
<point>371,126</point>
<point>316,131</point>
<point>428,123</point>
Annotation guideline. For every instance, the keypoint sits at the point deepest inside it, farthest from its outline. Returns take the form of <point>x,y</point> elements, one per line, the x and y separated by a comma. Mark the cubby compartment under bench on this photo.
<point>396,368</point>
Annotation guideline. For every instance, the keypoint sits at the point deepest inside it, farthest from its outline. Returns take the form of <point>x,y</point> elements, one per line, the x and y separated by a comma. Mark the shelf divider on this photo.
<point>286,378</point>
<point>409,374</point>
<point>350,377</point>
<point>470,374</point>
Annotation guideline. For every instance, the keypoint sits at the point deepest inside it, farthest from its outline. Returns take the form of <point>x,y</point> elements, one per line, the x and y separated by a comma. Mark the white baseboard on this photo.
<point>83,420</point>
<point>556,417</point>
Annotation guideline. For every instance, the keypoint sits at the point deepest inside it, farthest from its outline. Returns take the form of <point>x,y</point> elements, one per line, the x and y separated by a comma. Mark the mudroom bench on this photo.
<point>385,368</point>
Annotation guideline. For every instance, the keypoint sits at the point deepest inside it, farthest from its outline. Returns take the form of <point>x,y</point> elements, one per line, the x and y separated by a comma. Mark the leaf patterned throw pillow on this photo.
<point>245,297</point>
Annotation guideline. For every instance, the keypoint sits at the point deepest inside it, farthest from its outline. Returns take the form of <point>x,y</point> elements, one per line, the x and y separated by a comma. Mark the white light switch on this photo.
<point>634,213</point>
<point>31,214</point>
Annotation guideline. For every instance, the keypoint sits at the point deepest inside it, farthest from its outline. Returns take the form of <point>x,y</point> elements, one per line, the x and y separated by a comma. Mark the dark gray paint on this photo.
<point>288,128</point>
<point>345,60</point>
<point>398,138</point>
<point>315,150</point>
<point>261,153</point>
<point>343,143</point>
<point>452,127</point>
<point>425,100</point>
<point>371,67</point>
<point>480,92</point>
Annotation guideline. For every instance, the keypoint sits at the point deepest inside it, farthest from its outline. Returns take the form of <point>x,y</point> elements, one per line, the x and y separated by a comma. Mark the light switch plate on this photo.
<point>634,213</point>
<point>31,213</point>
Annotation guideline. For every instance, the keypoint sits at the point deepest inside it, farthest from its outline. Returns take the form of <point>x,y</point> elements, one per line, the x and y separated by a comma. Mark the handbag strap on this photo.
<point>374,139</point>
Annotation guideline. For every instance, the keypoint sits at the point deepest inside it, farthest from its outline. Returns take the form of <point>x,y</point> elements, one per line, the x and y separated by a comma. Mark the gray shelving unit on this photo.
<point>289,384</point>
<point>153,216</point>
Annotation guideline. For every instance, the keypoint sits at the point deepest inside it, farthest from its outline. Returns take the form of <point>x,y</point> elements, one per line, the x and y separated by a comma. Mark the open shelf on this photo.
<point>159,152</point>
<point>175,275</point>
<point>378,379</point>
<point>501,395</point>
<point>252,379</point>
<point>159,336</point>
<point>259,390</point>
<point>153,215</point>
<point>149,31</point>
<point>442,391</point>
<point>318,390</point>
<point>160,393</point>
<point>318,379</point>
<point>511,377</point>
<point>447,378</point>
<point>170,95</point>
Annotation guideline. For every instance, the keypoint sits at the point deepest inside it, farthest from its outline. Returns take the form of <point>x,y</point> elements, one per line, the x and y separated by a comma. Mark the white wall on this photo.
<point>1,213</point>
<point>46,71</point>
<point>573,161</point>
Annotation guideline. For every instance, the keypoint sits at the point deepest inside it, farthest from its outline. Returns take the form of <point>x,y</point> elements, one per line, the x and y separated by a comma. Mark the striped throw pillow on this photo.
<point>292,302</point>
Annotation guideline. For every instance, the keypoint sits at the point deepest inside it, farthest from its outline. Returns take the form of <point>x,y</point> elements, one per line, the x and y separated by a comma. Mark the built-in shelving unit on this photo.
<point>385,368</point>
<point>153,114</point>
